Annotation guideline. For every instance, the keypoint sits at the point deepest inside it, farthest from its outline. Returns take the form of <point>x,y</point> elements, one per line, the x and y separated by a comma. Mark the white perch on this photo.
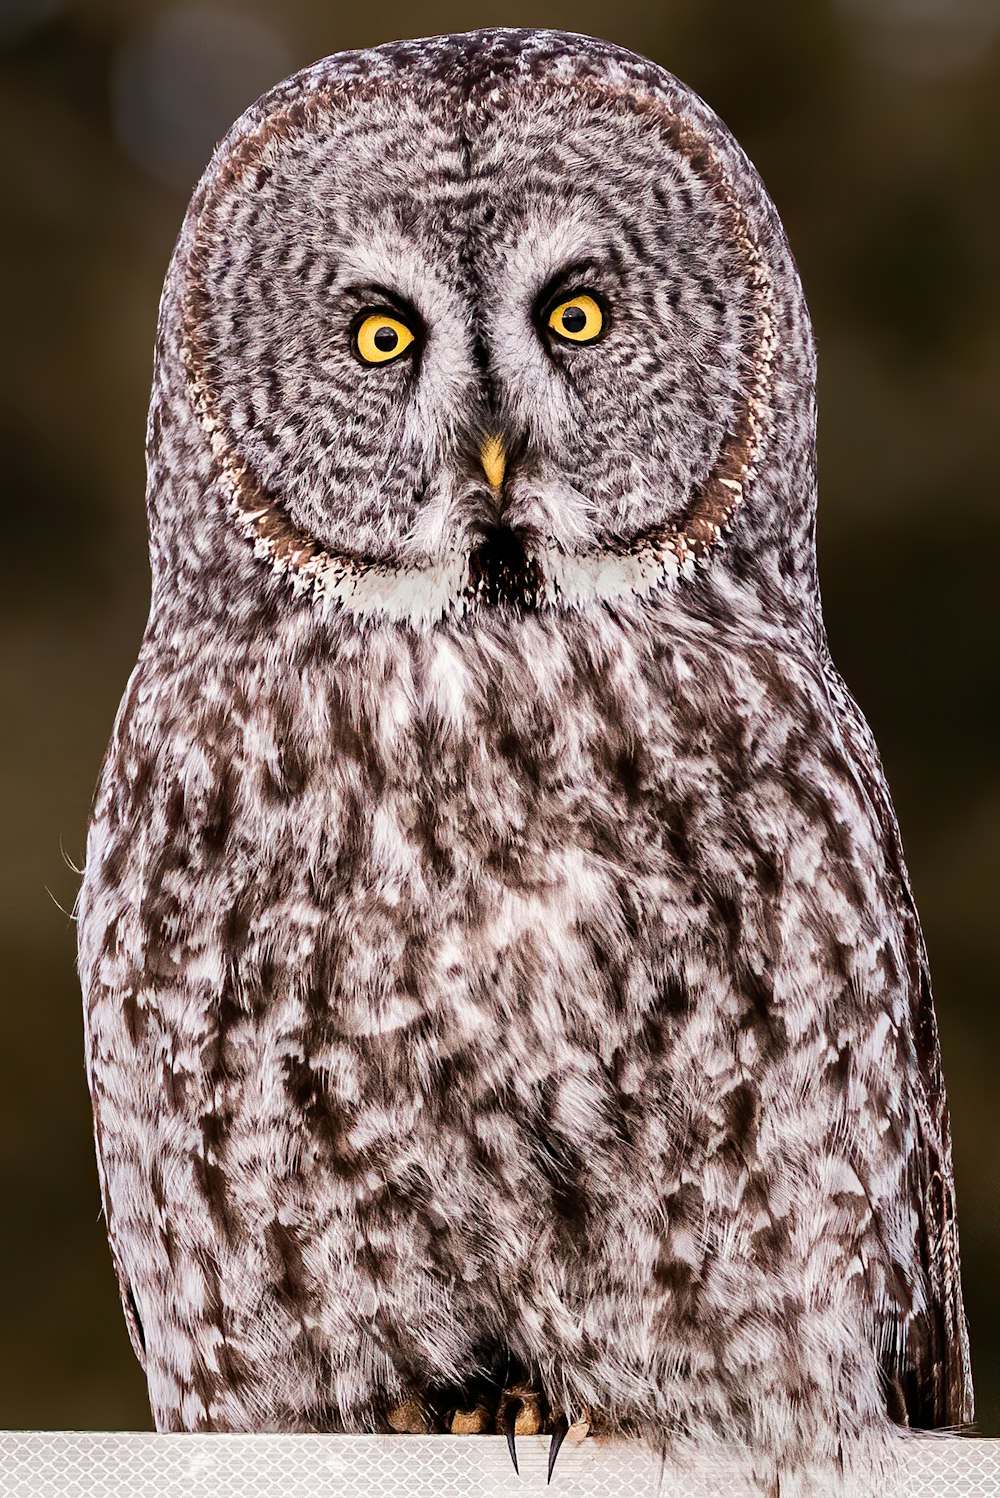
<point>68,1464</point>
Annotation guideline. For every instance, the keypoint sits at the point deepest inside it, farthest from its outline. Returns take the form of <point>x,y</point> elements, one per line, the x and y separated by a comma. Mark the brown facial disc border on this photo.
<point>353,580</point>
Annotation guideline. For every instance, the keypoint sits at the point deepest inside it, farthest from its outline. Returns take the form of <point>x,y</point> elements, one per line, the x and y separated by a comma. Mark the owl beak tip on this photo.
<point>493,457</point>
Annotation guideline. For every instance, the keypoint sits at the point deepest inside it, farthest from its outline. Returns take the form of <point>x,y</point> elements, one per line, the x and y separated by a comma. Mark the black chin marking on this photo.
<point>500,571</point>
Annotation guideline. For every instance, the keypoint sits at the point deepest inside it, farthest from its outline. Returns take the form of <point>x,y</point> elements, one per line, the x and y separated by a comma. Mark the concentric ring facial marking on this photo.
<point>626,564</point>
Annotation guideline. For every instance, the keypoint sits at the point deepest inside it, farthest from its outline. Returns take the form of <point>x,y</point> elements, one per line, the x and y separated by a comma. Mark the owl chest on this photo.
<point>521,868</point>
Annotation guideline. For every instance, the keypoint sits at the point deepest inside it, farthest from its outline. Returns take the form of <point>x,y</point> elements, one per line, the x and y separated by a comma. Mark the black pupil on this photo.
<point>385,339</point>
<point>574,319</point>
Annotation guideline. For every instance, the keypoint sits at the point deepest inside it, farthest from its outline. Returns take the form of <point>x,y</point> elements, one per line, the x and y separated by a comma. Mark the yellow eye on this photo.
<point>381,337</point>
<point>580,320</point>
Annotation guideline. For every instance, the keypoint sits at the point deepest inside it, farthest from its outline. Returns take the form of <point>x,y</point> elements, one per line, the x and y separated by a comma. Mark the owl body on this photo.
<point>499,962</point>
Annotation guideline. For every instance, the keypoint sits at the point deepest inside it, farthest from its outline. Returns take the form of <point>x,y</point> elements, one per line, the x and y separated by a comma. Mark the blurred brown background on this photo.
<point>875,124</point>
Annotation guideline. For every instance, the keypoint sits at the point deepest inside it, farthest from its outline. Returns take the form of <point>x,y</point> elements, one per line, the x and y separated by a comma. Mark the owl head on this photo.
<point>502,321</point>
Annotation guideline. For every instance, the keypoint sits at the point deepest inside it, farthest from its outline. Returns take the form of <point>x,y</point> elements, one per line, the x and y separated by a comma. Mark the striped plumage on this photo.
<point>500,969</point>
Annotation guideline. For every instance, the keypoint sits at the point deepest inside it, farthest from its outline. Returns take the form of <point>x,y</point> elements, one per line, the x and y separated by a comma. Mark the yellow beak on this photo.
<point>494,460</point>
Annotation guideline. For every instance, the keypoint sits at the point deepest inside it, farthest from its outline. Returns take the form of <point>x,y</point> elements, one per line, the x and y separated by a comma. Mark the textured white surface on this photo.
<point>39,1464</point>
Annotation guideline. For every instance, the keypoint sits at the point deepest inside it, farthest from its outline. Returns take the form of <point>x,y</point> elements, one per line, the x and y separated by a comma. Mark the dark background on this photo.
<point>875,124</point>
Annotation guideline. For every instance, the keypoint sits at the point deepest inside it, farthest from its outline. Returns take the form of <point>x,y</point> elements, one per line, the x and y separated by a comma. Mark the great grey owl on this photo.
<point>506,1008</point>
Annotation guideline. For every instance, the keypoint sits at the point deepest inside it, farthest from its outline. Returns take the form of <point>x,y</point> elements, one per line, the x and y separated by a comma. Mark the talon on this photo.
<point>559,1429</point>
<point>510,1414</point>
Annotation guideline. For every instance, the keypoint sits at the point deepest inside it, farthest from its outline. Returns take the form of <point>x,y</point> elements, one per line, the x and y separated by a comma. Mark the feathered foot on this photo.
<point>489,1403</point>
<point>519,1413</point>
<point>474,1422</point>
<point>561,1426</point>
<point>409,1418</point>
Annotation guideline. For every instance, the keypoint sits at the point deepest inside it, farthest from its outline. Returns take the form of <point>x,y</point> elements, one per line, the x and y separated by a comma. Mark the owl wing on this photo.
<point>930,1372</point>
<point>129,1306</point>
<point>925,1360</point>
<point>103,1065</point>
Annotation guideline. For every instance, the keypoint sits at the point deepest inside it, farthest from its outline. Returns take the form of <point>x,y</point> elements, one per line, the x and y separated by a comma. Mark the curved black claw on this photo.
<point>510,1415</point>
<point>559,1430</point>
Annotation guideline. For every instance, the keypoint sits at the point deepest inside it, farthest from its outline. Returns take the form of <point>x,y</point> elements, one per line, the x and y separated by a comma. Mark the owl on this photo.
<point>506,1009</point>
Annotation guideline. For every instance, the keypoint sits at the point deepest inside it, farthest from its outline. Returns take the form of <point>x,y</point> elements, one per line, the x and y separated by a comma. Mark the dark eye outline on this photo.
<point>552,299</point>
<point>407,319</point>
